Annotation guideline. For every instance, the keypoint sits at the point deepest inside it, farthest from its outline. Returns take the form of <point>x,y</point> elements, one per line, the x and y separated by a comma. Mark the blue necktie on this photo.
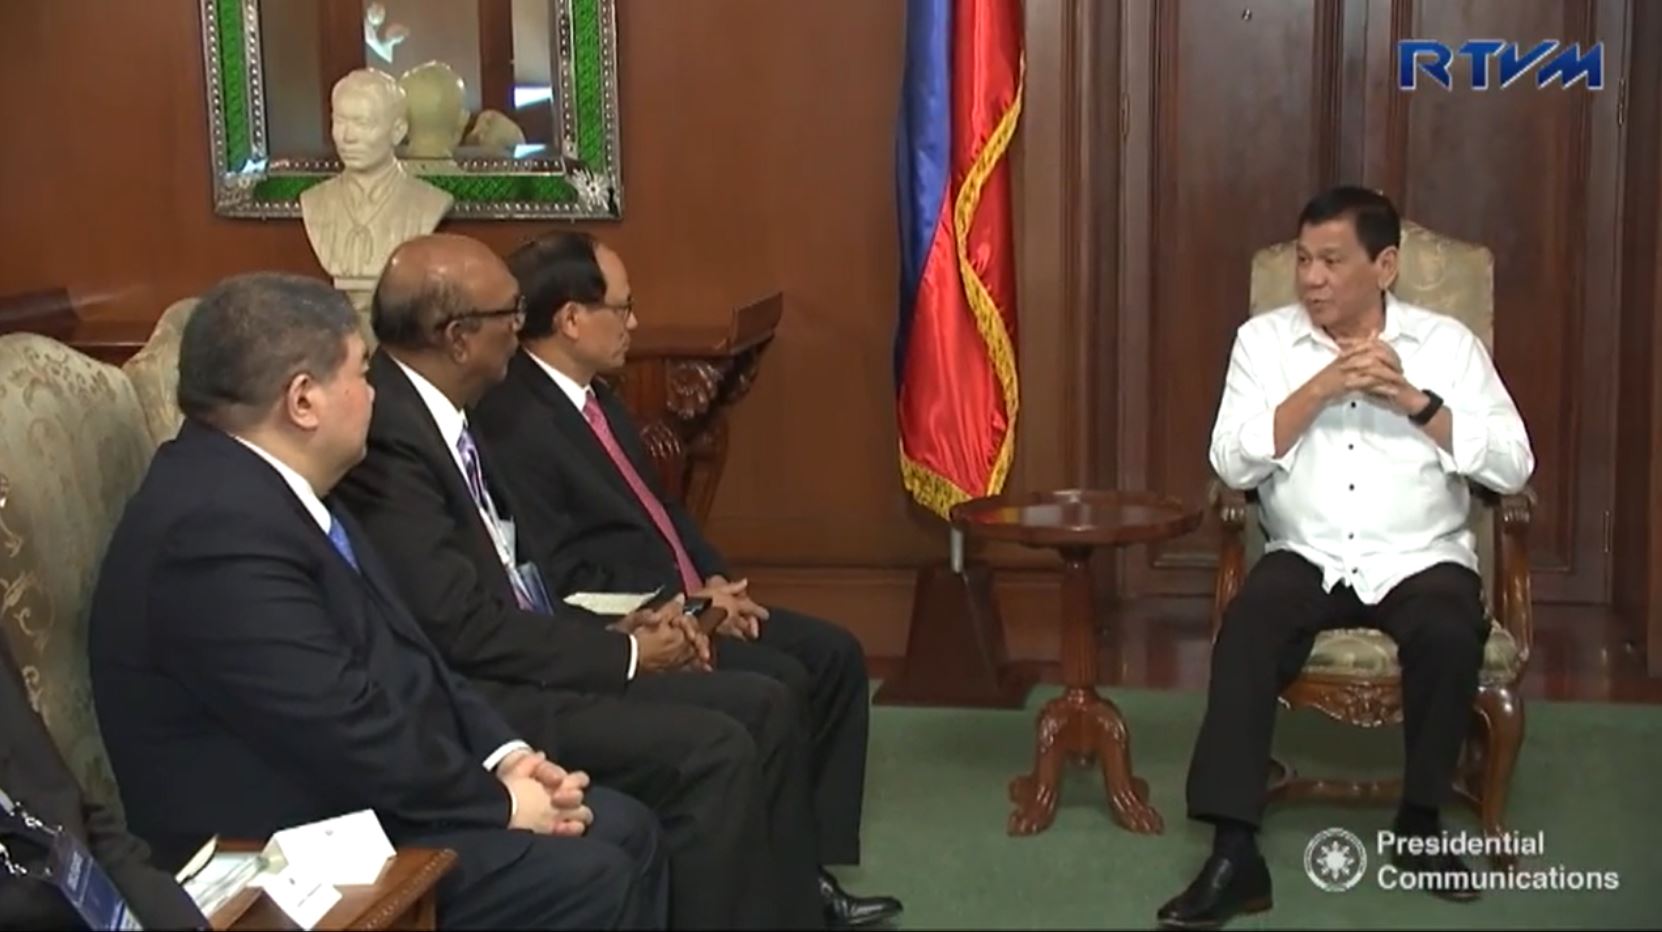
<point>343,545</point>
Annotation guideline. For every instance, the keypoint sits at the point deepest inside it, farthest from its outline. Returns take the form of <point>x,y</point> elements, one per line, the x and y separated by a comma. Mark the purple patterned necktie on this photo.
<point>475,476</point>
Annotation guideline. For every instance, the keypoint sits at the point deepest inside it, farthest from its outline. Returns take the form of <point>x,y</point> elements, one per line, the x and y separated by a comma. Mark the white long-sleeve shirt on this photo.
<point>1363,494</point>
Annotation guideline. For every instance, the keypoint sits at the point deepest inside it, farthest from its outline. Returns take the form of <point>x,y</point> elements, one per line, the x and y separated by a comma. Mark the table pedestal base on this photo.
<point>955,652</point>
<point>1082,726</point>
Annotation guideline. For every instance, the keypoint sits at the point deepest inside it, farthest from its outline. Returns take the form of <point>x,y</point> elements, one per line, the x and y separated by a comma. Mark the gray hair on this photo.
<point>250,335</point>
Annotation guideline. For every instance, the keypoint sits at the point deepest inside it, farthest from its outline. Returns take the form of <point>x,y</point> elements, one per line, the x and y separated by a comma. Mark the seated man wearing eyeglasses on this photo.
<point>608,696</point>
<point>571,453</point>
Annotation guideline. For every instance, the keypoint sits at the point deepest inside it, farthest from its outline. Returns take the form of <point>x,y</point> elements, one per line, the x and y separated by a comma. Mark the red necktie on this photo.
<point>655,508</point>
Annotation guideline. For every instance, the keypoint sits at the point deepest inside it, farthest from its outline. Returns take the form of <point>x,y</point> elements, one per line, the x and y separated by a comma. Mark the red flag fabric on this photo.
<point>958,394</point>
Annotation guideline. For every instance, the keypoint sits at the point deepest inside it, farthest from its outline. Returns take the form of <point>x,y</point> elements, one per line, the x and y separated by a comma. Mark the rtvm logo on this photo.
<point>1550,59</point>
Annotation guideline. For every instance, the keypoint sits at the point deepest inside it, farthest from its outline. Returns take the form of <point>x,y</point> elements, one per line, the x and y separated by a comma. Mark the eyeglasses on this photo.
<point>517,311</point>
<point>623,311</point>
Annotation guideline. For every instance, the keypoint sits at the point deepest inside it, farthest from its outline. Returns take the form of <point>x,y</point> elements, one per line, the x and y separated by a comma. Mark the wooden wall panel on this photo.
<point>1534,174</point>
<point>1199,200</point>
<point>1637,571</point>
<point>1162,141</point>
<point>1066,163</point>
<point>767,166</point>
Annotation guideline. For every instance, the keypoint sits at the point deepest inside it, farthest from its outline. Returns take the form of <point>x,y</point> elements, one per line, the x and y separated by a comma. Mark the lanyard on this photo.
<point>20,822</point>
<point>68,867</point>
<point>13,815</point>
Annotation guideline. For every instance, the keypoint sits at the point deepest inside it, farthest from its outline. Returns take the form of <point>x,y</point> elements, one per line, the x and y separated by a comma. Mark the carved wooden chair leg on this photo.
<point>1468,774</point>
<point>1503,717</point>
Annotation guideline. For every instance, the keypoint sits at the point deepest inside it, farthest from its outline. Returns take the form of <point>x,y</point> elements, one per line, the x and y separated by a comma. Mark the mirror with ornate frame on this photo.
<point>535,134</point>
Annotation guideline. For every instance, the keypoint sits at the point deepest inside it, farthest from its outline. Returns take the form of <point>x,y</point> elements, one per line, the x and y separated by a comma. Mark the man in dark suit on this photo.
<point>36,780</point>
<point>718,756</point>
<point>254,667</point>
<point>570,453</point>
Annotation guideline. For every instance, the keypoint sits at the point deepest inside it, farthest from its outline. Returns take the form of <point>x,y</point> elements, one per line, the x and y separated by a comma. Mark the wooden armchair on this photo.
<point>1352,675</point>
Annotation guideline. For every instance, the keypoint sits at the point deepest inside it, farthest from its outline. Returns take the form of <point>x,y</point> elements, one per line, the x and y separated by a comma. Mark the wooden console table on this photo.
<point>680,382</point>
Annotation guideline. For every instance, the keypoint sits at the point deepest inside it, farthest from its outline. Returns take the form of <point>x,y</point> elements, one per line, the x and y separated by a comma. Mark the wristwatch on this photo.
<point>1425,414</point>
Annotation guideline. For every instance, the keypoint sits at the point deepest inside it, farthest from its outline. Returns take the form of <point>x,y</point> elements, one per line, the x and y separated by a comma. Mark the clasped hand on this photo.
<point>743,616</point>
<point>1372,367</point>
<point>668,638</point>
<point>548,799</point>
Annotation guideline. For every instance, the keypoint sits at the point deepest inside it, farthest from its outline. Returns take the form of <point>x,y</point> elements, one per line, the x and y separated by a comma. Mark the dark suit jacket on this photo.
<point>33,773</point>
<point>593,531</point>
<point>247,679</point>
<point>415,505</point>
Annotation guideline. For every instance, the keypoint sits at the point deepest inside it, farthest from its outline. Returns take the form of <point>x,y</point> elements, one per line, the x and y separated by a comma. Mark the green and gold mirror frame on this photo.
<point>583,182</point>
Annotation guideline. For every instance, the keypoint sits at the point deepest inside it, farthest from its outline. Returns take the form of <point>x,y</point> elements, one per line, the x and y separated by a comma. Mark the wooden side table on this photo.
<point>1081,723</point>
<point>405,896</point>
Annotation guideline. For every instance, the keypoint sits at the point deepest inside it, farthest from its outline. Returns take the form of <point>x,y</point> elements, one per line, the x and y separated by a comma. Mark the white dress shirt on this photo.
<point>320,513</point>
<point>1364,494</point>
<point>578,394</point>
<point>451,421</point>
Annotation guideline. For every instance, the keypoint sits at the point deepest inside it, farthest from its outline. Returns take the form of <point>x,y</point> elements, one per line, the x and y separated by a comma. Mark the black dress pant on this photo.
<point>611,877</point>
<point>1436,618</point>
<point>718,757</point>
<point>781,874</point>
<point>824,667</point>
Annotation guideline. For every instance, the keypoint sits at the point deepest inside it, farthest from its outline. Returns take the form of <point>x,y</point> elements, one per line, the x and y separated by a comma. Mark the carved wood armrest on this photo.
<point>403,897</point>
<point>1514,601</point>
<point>1230,505</point>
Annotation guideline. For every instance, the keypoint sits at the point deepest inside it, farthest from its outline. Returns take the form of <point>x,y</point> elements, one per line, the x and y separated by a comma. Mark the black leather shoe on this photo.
<point>844,910</point>
<point>1225,888</point>
<point>1442,874</point>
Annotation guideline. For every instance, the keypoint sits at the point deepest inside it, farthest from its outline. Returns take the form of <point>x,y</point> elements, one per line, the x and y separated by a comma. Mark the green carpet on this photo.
<point>936,805</point>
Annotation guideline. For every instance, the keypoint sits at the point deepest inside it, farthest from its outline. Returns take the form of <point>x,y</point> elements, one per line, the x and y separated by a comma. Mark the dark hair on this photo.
<point>1373,215</point>
<point>250,335</point>
<point>553,270</point>
<point>407,314</point>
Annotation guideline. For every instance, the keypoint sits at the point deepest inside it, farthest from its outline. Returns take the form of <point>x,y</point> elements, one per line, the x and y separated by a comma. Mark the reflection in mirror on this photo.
<point>511,104</point>
<point>480,74</point>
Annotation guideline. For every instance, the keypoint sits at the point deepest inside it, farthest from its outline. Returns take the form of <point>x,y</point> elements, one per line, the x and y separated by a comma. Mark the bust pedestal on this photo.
<point>361,292</point>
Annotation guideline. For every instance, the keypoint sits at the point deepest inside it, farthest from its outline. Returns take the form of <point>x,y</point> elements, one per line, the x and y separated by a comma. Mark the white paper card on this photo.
<point>301,895</point>
<point>347,850</point>
<point>610,603</point>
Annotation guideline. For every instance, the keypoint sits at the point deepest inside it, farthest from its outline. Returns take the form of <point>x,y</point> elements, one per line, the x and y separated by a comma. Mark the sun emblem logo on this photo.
<point>1335,860</point>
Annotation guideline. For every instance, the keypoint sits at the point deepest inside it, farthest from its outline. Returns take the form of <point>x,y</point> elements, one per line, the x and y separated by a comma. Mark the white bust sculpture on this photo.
<point>355,219</point>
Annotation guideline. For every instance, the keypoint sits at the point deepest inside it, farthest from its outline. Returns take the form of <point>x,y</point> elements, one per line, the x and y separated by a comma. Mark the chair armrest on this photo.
<point>1230,505</point>
<point>405,896</point>
<point>1514,600</point>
